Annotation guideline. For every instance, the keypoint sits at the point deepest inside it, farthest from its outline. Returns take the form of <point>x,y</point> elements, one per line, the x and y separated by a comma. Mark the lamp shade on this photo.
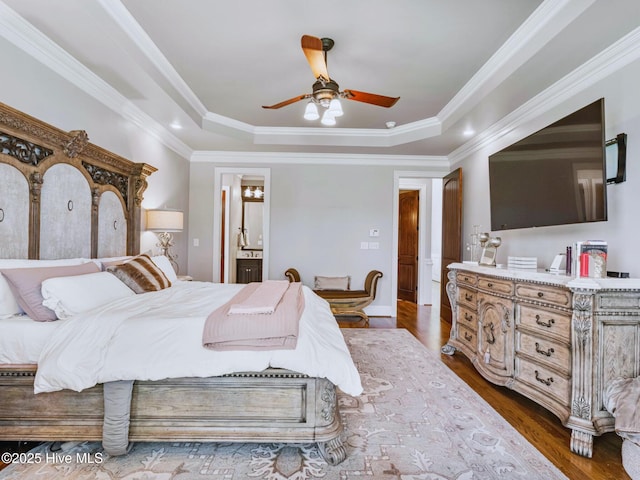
<point>165,220</point>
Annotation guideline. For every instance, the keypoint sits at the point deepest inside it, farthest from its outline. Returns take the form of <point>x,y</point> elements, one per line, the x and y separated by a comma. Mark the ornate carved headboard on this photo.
<point>63,197</point>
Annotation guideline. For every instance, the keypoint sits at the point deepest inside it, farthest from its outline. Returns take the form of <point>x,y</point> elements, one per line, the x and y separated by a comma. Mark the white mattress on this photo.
<point>22,339</point>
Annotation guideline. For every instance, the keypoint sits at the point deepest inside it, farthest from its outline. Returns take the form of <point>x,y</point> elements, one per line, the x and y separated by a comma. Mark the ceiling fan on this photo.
<point>326,91</point>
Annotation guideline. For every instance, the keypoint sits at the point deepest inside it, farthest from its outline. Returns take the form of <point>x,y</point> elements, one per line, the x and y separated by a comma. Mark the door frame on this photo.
<point>413,180</point>
<point>217,192</point>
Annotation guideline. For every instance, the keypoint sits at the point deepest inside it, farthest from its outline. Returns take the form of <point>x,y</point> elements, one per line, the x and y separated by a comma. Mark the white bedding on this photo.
<point>22,339</point>
<point>159,335</point>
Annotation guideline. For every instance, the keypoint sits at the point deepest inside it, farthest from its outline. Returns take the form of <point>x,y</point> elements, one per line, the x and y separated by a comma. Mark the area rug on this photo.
<point>416,420</point>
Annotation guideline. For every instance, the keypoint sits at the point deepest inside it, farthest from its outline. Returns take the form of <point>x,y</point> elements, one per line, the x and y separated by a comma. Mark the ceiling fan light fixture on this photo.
<point>328,119</point>
<point>335,107</point>
<point>311,112</point>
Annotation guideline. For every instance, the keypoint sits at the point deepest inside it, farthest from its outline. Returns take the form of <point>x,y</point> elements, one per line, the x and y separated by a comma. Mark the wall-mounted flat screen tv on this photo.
<point>555,176</point>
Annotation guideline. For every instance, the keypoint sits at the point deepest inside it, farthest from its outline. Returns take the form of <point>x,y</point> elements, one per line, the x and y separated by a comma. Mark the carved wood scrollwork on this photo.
<point>102,176</point>
<point>76,145</point>
<point>25,152</point>
<point>329,400</point>
<point>582,318</point>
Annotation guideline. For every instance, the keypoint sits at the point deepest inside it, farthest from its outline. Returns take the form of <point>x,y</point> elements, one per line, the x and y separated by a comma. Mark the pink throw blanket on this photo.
<point>264,299</point>
<point>256,331</point>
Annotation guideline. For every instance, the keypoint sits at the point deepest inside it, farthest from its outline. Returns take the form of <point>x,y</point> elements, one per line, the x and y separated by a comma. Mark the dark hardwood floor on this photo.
<point>541,428</point>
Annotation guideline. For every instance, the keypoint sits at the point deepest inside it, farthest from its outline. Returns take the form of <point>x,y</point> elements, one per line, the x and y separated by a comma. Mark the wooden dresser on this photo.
<point>558,340</point>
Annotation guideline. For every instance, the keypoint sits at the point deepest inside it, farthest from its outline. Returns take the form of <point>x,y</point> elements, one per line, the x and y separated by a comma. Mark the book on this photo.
<point>591,258</point>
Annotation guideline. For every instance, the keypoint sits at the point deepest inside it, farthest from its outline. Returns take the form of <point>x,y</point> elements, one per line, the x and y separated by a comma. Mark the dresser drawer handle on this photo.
<point>468,317</point>
<point>542,324</point>
<point>547,382</point>
<point>466,279</point>
<point>542,352</point>
<point>468,297</point>
<point>468,337</point>
<point>540,294</point>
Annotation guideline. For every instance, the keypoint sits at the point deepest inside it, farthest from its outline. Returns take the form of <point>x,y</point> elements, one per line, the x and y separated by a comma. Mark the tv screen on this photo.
<point>556,176</point>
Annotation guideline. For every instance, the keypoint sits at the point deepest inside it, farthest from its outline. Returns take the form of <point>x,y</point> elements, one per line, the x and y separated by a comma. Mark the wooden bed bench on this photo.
<point>346,302</point>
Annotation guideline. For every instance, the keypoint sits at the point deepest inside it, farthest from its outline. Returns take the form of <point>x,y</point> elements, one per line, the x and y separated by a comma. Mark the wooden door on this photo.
<point>451,233</point>
<point>408,245</point>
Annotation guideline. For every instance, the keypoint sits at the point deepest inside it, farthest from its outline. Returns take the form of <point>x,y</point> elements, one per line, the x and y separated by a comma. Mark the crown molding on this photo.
<point>149,49</point>
<point>536,31</point>
<point>438,165</point>
<point>30,40</point>
<point>604,64</point>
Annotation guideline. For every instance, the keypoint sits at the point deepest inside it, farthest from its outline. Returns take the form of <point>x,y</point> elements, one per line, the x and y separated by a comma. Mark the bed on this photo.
<point>65,198</point>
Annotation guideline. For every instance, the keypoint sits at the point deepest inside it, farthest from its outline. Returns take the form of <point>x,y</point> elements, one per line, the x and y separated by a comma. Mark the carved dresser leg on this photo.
<point>333,451</point>
<point>582,443</point>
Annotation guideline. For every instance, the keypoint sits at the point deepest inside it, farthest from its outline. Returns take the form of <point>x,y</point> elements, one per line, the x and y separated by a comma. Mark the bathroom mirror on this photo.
<point>252,222</point>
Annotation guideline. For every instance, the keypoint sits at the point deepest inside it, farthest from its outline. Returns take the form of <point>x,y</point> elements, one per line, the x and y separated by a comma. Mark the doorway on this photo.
<point>428,185</point>
<point>228,218</point>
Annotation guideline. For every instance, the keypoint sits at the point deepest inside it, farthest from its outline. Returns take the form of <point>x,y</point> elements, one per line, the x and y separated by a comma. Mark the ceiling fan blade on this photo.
<point>372,98</point>
<point>312,48</point>
<point>288,102</point>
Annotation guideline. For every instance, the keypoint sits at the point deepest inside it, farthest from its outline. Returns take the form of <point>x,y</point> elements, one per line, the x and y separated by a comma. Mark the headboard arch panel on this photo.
<point>41,152</point>
<point>65,213</point>
<point>14,213</point>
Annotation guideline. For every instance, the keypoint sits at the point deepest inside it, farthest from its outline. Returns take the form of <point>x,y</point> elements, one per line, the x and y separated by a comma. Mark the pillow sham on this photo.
<point>26,284</point>
<point>332,283</point>
<point>164,264</point>
<point>141,275</point>
<point>67,296</point>
<point>8,303</point>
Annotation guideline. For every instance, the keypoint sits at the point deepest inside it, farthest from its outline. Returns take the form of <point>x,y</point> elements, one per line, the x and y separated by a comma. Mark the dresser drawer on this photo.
<point>493,285</point>
<point>466,277</point>
<point>621,301</point>
<point>540,293</point>
<point>546,381</point>
<point>467,297</point>
<point>545,323</point>
<point>544,351</point>
<point>468,317</point>
<point>468,337</point>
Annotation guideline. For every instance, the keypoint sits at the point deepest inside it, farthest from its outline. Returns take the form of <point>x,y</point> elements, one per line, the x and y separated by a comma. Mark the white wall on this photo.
<point>319,215</point>
<point>32,88</point>
<point>621,231</point>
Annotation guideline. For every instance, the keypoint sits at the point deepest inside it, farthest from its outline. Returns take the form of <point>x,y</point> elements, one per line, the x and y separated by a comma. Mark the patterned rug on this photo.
<point>416,420</point>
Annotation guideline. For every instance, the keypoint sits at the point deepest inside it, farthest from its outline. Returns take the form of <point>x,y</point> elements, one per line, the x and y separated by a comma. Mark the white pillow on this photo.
<point>164,264</point>
<point>8,303</point>
<point>68,296</point>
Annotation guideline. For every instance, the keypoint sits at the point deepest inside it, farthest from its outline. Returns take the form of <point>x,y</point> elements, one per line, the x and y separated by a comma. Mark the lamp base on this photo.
<point>165,242</point>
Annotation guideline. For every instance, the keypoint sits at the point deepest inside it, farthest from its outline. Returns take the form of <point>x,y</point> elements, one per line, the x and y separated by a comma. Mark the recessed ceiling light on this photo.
<point>176,125</point>
<point>390,124</point>
<point>468,132</point>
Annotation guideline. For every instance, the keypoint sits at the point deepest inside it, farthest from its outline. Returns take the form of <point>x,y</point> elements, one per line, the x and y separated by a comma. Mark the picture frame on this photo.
<point>488,256</point>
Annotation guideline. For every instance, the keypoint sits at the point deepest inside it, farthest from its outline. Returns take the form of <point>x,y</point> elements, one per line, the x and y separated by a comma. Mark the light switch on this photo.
<point>364,245</point>
<point>374,232</point>
<point>196,242</point>
<point>374,245</point>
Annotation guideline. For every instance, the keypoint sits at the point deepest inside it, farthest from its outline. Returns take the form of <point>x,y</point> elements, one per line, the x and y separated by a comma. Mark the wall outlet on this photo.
<point>364,245</point>
<point>196,242</point>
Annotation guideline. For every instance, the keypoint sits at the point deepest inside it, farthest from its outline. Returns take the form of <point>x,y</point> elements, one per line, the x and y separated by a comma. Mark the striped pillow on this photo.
<point>141,275</point>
